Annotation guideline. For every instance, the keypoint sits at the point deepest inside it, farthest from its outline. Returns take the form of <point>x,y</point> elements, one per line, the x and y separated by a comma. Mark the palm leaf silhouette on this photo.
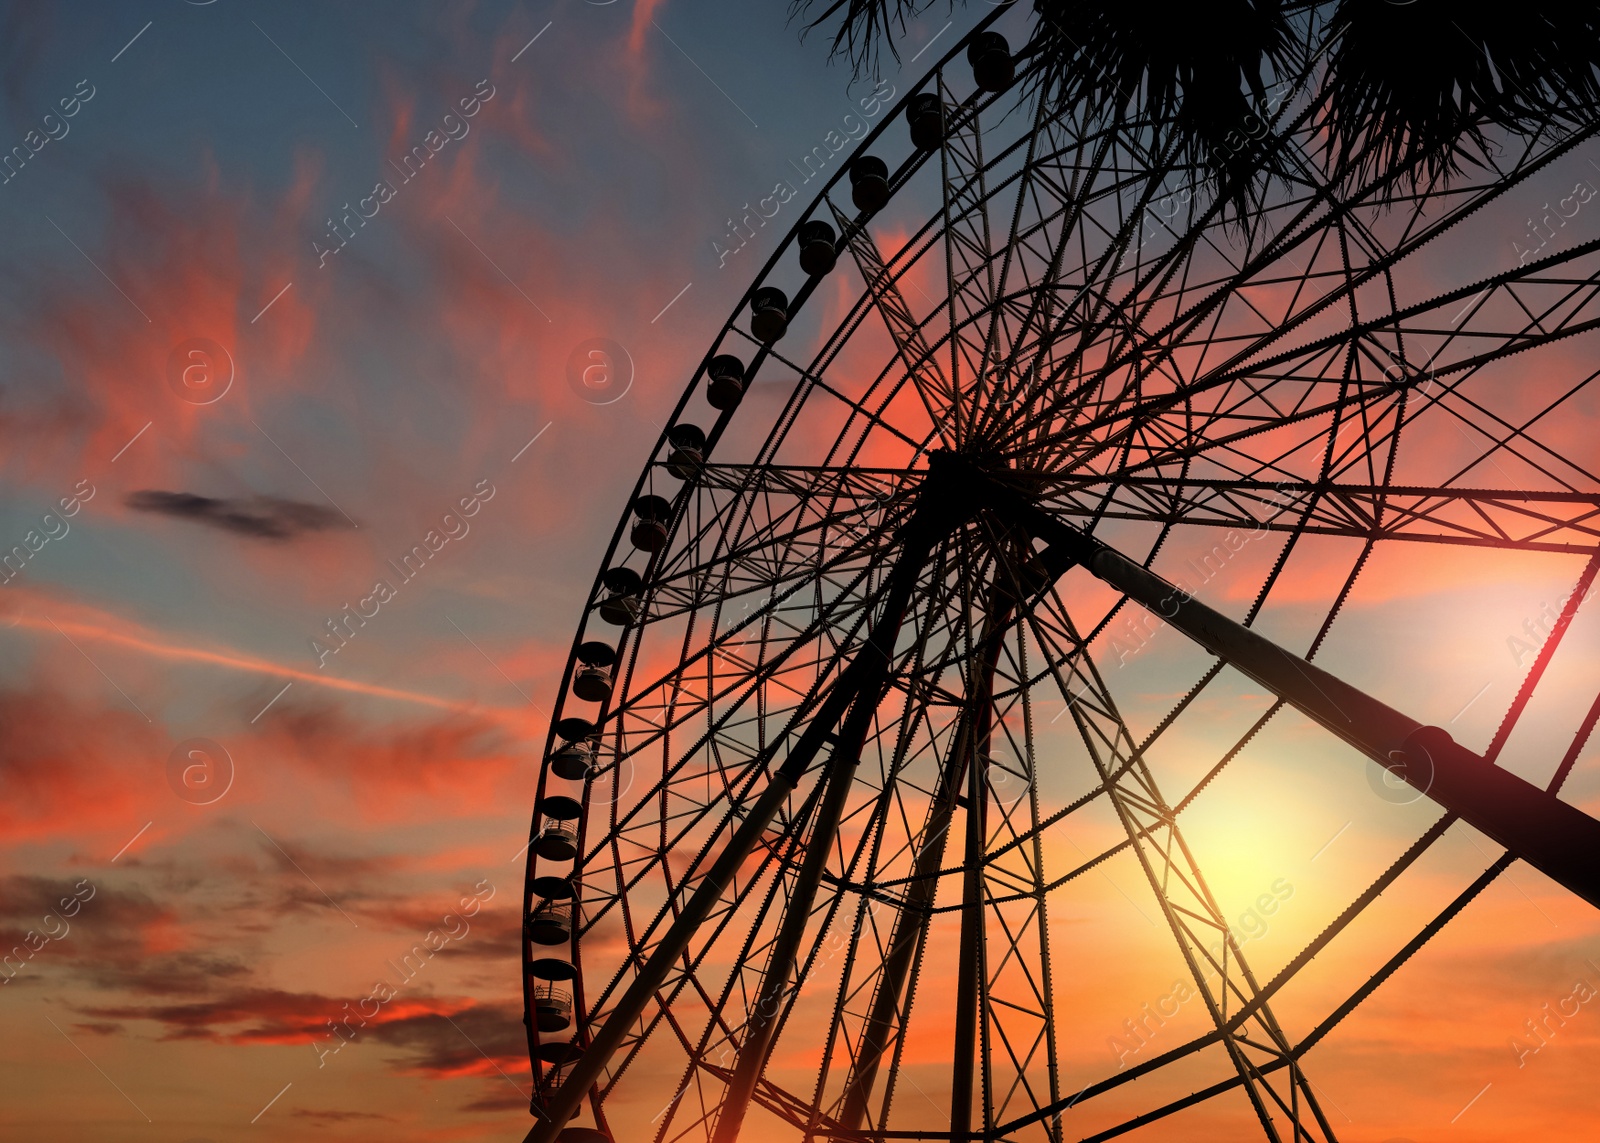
<point>1402,90</point>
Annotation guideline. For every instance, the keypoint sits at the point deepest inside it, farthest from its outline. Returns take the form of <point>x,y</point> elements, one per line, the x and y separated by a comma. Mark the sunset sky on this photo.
<point>254,823</point>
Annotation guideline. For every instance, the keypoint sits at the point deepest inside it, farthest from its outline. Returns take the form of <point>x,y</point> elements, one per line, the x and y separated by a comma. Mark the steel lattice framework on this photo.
<point>808,837</point>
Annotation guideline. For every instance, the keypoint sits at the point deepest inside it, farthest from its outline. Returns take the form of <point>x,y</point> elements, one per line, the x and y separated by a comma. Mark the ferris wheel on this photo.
<point>845,679</point>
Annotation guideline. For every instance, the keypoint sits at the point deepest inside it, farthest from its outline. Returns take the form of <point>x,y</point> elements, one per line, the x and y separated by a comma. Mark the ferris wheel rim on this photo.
<point>696,380</point>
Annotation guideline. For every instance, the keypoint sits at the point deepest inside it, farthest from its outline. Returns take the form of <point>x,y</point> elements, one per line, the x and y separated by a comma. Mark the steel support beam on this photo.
<point>940,509</point>
<point>1555,838</point>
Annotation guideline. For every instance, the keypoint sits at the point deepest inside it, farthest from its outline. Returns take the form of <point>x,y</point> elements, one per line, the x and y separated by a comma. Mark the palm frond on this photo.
<point>1409,87</point>
<point>1193,73</point>
<point>863,26</point>
<point>1415,85</point>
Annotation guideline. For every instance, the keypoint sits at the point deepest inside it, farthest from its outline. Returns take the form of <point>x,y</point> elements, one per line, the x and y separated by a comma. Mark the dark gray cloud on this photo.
<point>261,517</point>
<point>498,1098</point>
<point>338,1116</point>
<point>457,1044</point>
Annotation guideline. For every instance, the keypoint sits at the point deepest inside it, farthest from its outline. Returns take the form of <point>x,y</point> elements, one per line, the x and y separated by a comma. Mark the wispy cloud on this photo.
<point>260,517</point>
